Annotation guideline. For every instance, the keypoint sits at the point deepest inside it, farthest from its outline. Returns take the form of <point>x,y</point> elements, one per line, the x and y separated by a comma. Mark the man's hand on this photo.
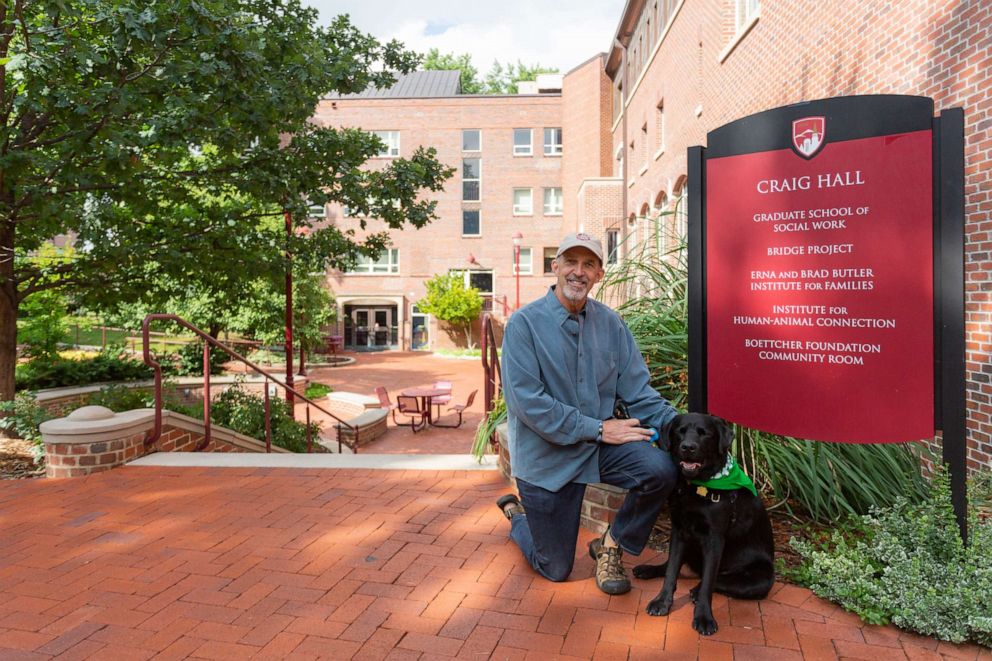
<point>618,432</point>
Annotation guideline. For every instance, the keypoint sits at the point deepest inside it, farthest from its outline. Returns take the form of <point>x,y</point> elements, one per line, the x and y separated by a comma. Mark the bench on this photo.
<point>361,412</point>
<point>368,426</point>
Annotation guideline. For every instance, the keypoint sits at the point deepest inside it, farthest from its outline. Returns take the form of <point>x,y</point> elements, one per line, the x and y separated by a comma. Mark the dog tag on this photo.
<point>702,491</point>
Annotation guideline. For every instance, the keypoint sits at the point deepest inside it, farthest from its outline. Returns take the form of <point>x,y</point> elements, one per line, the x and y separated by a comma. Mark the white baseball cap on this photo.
<point>581,240</point>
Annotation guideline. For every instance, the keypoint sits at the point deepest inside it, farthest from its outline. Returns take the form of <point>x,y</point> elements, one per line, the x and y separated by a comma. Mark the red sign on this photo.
<point>819,287</point>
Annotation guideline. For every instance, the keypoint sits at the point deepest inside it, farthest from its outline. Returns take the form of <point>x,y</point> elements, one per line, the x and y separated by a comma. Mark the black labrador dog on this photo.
<point>723,535</point>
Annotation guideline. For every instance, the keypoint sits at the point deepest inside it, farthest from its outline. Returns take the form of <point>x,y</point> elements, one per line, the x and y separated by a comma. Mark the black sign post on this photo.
<point>806,312</point>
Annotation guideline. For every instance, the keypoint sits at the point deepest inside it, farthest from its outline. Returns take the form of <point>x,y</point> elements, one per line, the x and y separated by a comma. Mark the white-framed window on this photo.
<point>744,11</point>
<point>612,245</point>
<point>523,201</point>
<point>392,140</point>
<point>552,202</point>
<point>523,142</point>
<point>316,211</point>
<point>387,262</point>
<point>481,279</point>
<point>526,262</point>
<point>471,140</point>
<point>552,141</point>
<point>471,179</point>
<point>471,222</point>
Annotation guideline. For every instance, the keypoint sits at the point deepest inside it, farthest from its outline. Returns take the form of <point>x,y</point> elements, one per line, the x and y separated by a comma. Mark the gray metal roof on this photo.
<point>419,84</point>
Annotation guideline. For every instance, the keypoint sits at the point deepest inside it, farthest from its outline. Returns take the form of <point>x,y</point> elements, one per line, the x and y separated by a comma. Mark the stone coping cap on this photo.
<point>84,429</point>
<point>59,393</point>
<point>351,398</point>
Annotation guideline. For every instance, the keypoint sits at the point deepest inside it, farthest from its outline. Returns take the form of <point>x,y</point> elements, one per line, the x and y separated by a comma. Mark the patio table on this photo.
<point>425,394</point>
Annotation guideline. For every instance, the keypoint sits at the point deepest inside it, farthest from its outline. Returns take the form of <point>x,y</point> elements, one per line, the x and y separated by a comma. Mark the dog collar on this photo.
<point>729,477</point>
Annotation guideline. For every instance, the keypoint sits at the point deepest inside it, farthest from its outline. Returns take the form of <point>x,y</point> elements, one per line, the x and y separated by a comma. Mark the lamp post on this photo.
<point>517,238</point>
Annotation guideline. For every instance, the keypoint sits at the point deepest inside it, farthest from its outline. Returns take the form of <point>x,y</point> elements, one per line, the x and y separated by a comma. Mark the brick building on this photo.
<point>674,71</point>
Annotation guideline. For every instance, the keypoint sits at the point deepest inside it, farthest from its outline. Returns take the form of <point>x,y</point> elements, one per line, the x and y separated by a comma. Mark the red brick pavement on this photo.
<point>397,370</point>
<point>142,562</point>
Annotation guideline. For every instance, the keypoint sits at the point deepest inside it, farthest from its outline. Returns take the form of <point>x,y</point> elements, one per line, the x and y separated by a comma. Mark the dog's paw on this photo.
<point>660,605</point>
<point>648,571</point>
<point>694,593</point>
<point>704,624</point>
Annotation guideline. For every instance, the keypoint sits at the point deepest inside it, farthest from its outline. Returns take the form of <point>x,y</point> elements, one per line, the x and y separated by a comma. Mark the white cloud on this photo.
<point>553,34</point>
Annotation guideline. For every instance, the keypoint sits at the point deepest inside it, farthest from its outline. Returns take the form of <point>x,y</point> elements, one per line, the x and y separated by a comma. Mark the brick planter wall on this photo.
<point>93,439</point>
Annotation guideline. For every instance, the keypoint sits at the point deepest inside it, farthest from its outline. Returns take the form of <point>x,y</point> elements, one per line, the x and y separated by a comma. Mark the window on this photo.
<point>644,144</point>
<point>316,211</point>
<point>481,280</point>
<point>388,261</point>
<point>612,244</point>
<point>660,126</point>
<point>392,140</point>
<point>552,142</point>
<point>526,265</point>
<point>744,11</point>
<point>471,140</point>
<point>470,222</point>
<point>618,156</point>
<point>617,101</point>
<point>523,202</point>
<point>471,179</point>
<point>522,143</point>
<point>549,256</point>
<point>552,202</point>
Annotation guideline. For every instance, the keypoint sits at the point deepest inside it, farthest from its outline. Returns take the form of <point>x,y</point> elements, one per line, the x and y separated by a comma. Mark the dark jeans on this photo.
<point>548,532</point>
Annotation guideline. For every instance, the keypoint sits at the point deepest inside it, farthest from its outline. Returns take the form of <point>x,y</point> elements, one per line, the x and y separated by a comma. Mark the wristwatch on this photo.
<point>599,434</point>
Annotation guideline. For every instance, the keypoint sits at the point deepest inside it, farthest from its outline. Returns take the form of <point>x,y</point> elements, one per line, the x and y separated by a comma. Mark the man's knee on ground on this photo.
<point>558,573</point>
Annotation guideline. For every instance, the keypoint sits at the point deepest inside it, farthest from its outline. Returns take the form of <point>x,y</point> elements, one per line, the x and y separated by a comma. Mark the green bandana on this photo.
<point>729,478</point>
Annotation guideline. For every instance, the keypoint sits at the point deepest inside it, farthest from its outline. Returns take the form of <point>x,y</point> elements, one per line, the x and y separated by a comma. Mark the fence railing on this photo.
<point>209,342</point>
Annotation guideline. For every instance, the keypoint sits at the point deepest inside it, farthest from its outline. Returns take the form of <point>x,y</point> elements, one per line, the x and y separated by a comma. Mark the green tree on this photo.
<point>450,300</point>
<point>437,61</point>
<point>503,79</point>
<point>166,138</point>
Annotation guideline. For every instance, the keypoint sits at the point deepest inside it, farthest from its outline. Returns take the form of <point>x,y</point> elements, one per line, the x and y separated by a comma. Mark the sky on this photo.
<point>547,32</point>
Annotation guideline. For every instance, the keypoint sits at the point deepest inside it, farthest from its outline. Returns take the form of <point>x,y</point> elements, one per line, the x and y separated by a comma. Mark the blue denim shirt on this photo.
<point>562,374</point>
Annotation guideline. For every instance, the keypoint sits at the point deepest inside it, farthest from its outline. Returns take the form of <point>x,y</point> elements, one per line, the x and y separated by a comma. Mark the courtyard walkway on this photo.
<point>234,563</point>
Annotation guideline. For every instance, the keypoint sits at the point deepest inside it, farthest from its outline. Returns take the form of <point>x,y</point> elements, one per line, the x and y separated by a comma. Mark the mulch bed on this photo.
<point>17,461</point>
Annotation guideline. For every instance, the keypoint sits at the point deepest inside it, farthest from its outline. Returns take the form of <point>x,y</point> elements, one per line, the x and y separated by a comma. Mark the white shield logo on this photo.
<point>807,135</point>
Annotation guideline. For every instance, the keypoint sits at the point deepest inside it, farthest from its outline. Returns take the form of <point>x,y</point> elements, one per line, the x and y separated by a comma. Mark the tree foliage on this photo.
<point>437,61</point>
<point>450,300</point>
<point>501,79</point>
<point>166,138</point>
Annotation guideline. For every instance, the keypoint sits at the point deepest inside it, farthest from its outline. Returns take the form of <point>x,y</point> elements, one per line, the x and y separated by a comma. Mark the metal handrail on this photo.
<point>490,366</point>
<point>209,341</point>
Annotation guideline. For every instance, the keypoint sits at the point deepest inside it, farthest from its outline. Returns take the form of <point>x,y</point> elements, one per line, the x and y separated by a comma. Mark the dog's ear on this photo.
<point>665,434</point>
<point>726,435</point>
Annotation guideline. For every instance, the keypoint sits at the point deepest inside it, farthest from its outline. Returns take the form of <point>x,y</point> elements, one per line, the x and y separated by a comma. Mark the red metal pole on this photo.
<point>268,417</point>
<point>289,315</point>
<point>206,394</point>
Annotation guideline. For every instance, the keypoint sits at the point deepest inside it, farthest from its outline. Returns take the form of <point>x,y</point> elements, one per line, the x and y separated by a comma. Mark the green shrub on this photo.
<point>189,360</point>
<point>487,428</point>
<point>24,414</point>
<point>317,390</point>
<point>906,564</point>
<point>119,398</point>
<point>44,325</point>
<point>244,413</point>
<point>109,365</point>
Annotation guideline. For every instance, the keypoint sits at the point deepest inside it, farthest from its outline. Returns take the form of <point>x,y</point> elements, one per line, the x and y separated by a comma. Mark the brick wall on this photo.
<point>803,50</point>
<point>79,459</point>
<point>440,246</point>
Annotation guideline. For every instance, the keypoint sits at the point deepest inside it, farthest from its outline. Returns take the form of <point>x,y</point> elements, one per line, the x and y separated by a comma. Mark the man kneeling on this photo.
<point>567,361</point>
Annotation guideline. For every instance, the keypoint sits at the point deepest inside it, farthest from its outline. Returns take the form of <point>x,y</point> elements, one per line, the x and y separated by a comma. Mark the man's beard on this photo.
<point>569,293</point>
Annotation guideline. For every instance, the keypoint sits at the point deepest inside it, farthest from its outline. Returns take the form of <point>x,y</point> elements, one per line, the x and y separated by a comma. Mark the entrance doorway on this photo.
<point>368,327</point>
<point>420,340</point>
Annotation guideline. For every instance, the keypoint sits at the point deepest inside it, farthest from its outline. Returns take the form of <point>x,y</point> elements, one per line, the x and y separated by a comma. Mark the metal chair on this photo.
<point>410,406</point>
<point>460,410</point>
<point>441,400</point>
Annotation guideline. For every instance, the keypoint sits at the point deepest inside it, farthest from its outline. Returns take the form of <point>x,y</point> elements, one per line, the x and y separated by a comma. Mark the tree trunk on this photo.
<point>8,344</point>
<point>468,337</point>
